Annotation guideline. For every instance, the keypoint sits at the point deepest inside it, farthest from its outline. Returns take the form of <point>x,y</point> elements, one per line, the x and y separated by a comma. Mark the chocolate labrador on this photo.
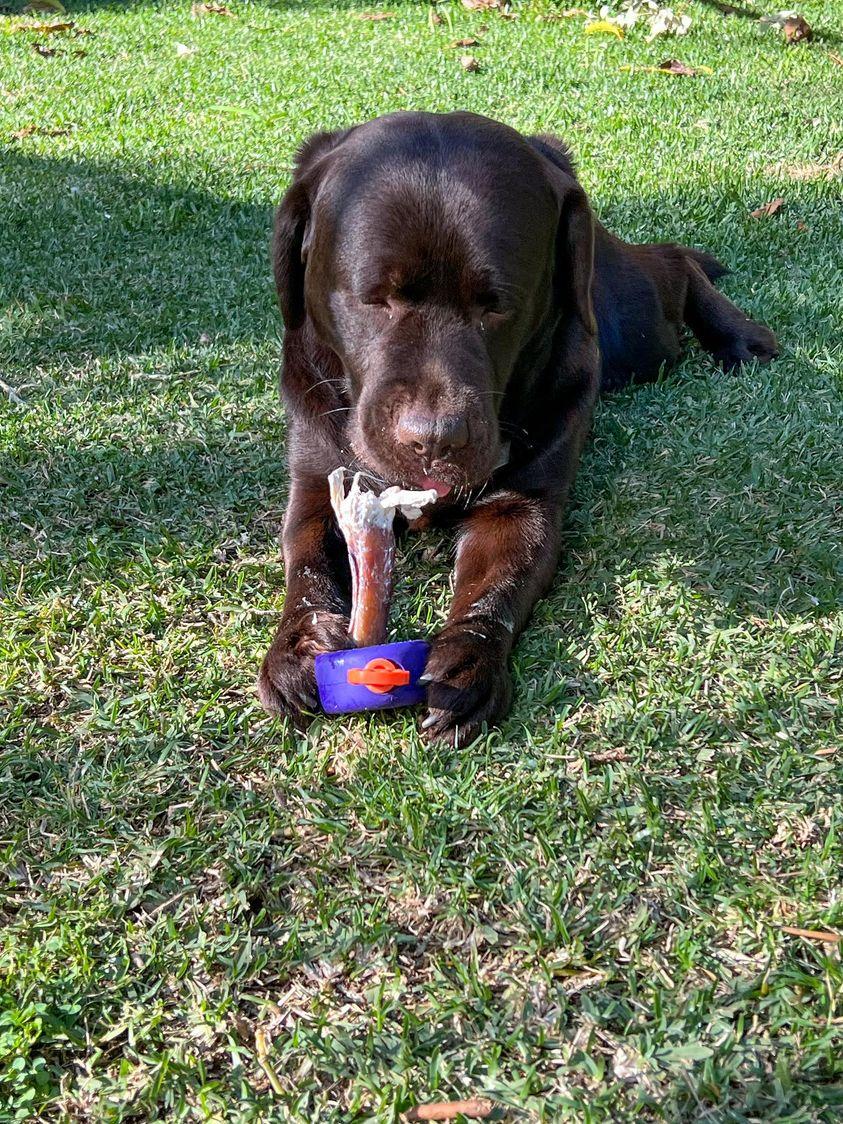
<point>452,309</point>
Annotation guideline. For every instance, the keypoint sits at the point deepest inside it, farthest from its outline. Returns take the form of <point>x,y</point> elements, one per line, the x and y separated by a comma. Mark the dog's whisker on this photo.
<point>321,383</point>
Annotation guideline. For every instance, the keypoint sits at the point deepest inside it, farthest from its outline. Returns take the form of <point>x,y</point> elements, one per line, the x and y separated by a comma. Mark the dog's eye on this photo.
<point>490,311</point>
<point>493,318</point>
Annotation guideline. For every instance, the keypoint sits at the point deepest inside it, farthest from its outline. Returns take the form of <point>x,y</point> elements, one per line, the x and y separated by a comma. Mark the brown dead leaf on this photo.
<point>481,5</point>
<point>212,10</point>
<point>38,131</point>
<point>465,43</point>
<point>766,209</point>
<point>812,934</point>
<point>836,59</point>
<point>670,66</point>
<point>434,19</point>
<point>828,750</point>
<point>674,66</point>
<point>608,755</point>
<point>469,63</point>
<point>45,28</point>
<point>797,30</point>
<point>476,1108</point>
<point>802,228</point>
<point>374,17</point>
<point>43,50</point>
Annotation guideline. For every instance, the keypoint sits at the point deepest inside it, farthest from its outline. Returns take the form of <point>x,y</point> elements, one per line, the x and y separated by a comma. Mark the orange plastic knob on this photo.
<point>379,675</point>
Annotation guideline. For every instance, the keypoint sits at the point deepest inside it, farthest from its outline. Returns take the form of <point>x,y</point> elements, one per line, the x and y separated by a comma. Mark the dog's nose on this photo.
<point>433,437</point>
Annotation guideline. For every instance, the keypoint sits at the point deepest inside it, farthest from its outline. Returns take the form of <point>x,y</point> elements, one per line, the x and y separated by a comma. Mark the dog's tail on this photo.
<point>708,263</point>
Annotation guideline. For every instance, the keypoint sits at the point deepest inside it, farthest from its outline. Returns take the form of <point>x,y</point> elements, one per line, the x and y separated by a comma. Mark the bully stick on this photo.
<point>365,520</point>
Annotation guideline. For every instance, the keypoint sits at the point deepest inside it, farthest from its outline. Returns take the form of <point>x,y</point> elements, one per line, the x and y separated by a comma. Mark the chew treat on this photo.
<point>366,520</point>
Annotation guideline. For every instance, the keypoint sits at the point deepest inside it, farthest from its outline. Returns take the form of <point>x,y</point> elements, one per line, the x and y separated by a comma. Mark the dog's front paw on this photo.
<point>468,682</point>
<point>287,680</point>
<point>752,341</point>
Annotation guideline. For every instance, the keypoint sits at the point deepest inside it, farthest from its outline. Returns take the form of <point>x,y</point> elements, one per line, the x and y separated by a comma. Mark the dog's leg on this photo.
<point>507,556</point>
<point>720,326</point>
<point>316,609</point>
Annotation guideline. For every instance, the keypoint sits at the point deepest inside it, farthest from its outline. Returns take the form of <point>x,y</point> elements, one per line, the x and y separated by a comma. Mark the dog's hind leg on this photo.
<point>721,327</point>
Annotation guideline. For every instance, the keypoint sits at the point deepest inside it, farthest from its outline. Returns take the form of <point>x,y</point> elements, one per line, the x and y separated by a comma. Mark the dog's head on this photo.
<point>430,253</point>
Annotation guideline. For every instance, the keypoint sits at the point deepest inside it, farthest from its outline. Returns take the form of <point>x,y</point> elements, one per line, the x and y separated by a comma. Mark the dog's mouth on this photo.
<point>441,487</point>
<point>374,446</point>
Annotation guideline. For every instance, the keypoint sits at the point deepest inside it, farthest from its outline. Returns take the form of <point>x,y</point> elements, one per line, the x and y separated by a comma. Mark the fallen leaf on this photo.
<point>38,131</point>
<point>465,43</point>
<point>778,19</point>
<point>674,66</point>
<point>45,28</point>
<point>667,22</point>
<point>795,27</point>
<point>836,59</point>
<point>434,19</point>
<point>603,27</point>
<point>212,10</point>
<point>767,208</point>
<point>812,934</point>
<point>829,750</point>
<point>374,17</point>
<point>182,50</point>
<point>476,1108</point>
<point>629,16</point>
<point>481,5</point>
<point>469,63</point>
<point>802,227</point>
<point>608,755</point>
<point>44,51</point>
<point>798,30</point>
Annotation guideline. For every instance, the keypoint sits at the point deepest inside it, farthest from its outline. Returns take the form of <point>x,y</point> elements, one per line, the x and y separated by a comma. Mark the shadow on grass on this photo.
<point>95,262</point>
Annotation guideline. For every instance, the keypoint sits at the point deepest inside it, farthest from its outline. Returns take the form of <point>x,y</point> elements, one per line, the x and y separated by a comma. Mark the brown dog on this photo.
<point>452,309</point>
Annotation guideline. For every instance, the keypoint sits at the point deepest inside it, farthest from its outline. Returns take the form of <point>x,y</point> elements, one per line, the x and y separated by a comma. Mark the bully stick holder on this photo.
<point>373,675</point>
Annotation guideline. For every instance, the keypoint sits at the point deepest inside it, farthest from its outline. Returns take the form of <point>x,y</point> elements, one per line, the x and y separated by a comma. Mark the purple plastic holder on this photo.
<point>375,666</point>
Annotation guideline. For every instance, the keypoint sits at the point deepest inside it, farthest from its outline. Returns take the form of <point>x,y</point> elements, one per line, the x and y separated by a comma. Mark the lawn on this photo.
<point>207,916</point>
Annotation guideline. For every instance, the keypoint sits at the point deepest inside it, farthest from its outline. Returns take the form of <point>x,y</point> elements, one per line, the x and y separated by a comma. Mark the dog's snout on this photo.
<point>432,437</point>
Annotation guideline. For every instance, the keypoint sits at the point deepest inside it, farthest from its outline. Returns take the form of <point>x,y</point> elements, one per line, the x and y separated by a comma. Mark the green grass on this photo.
<point>581,915</point>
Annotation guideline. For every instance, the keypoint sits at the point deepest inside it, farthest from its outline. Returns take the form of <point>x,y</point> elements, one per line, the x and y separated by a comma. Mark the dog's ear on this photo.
<point>292,225</point>
<point>574,266</point>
